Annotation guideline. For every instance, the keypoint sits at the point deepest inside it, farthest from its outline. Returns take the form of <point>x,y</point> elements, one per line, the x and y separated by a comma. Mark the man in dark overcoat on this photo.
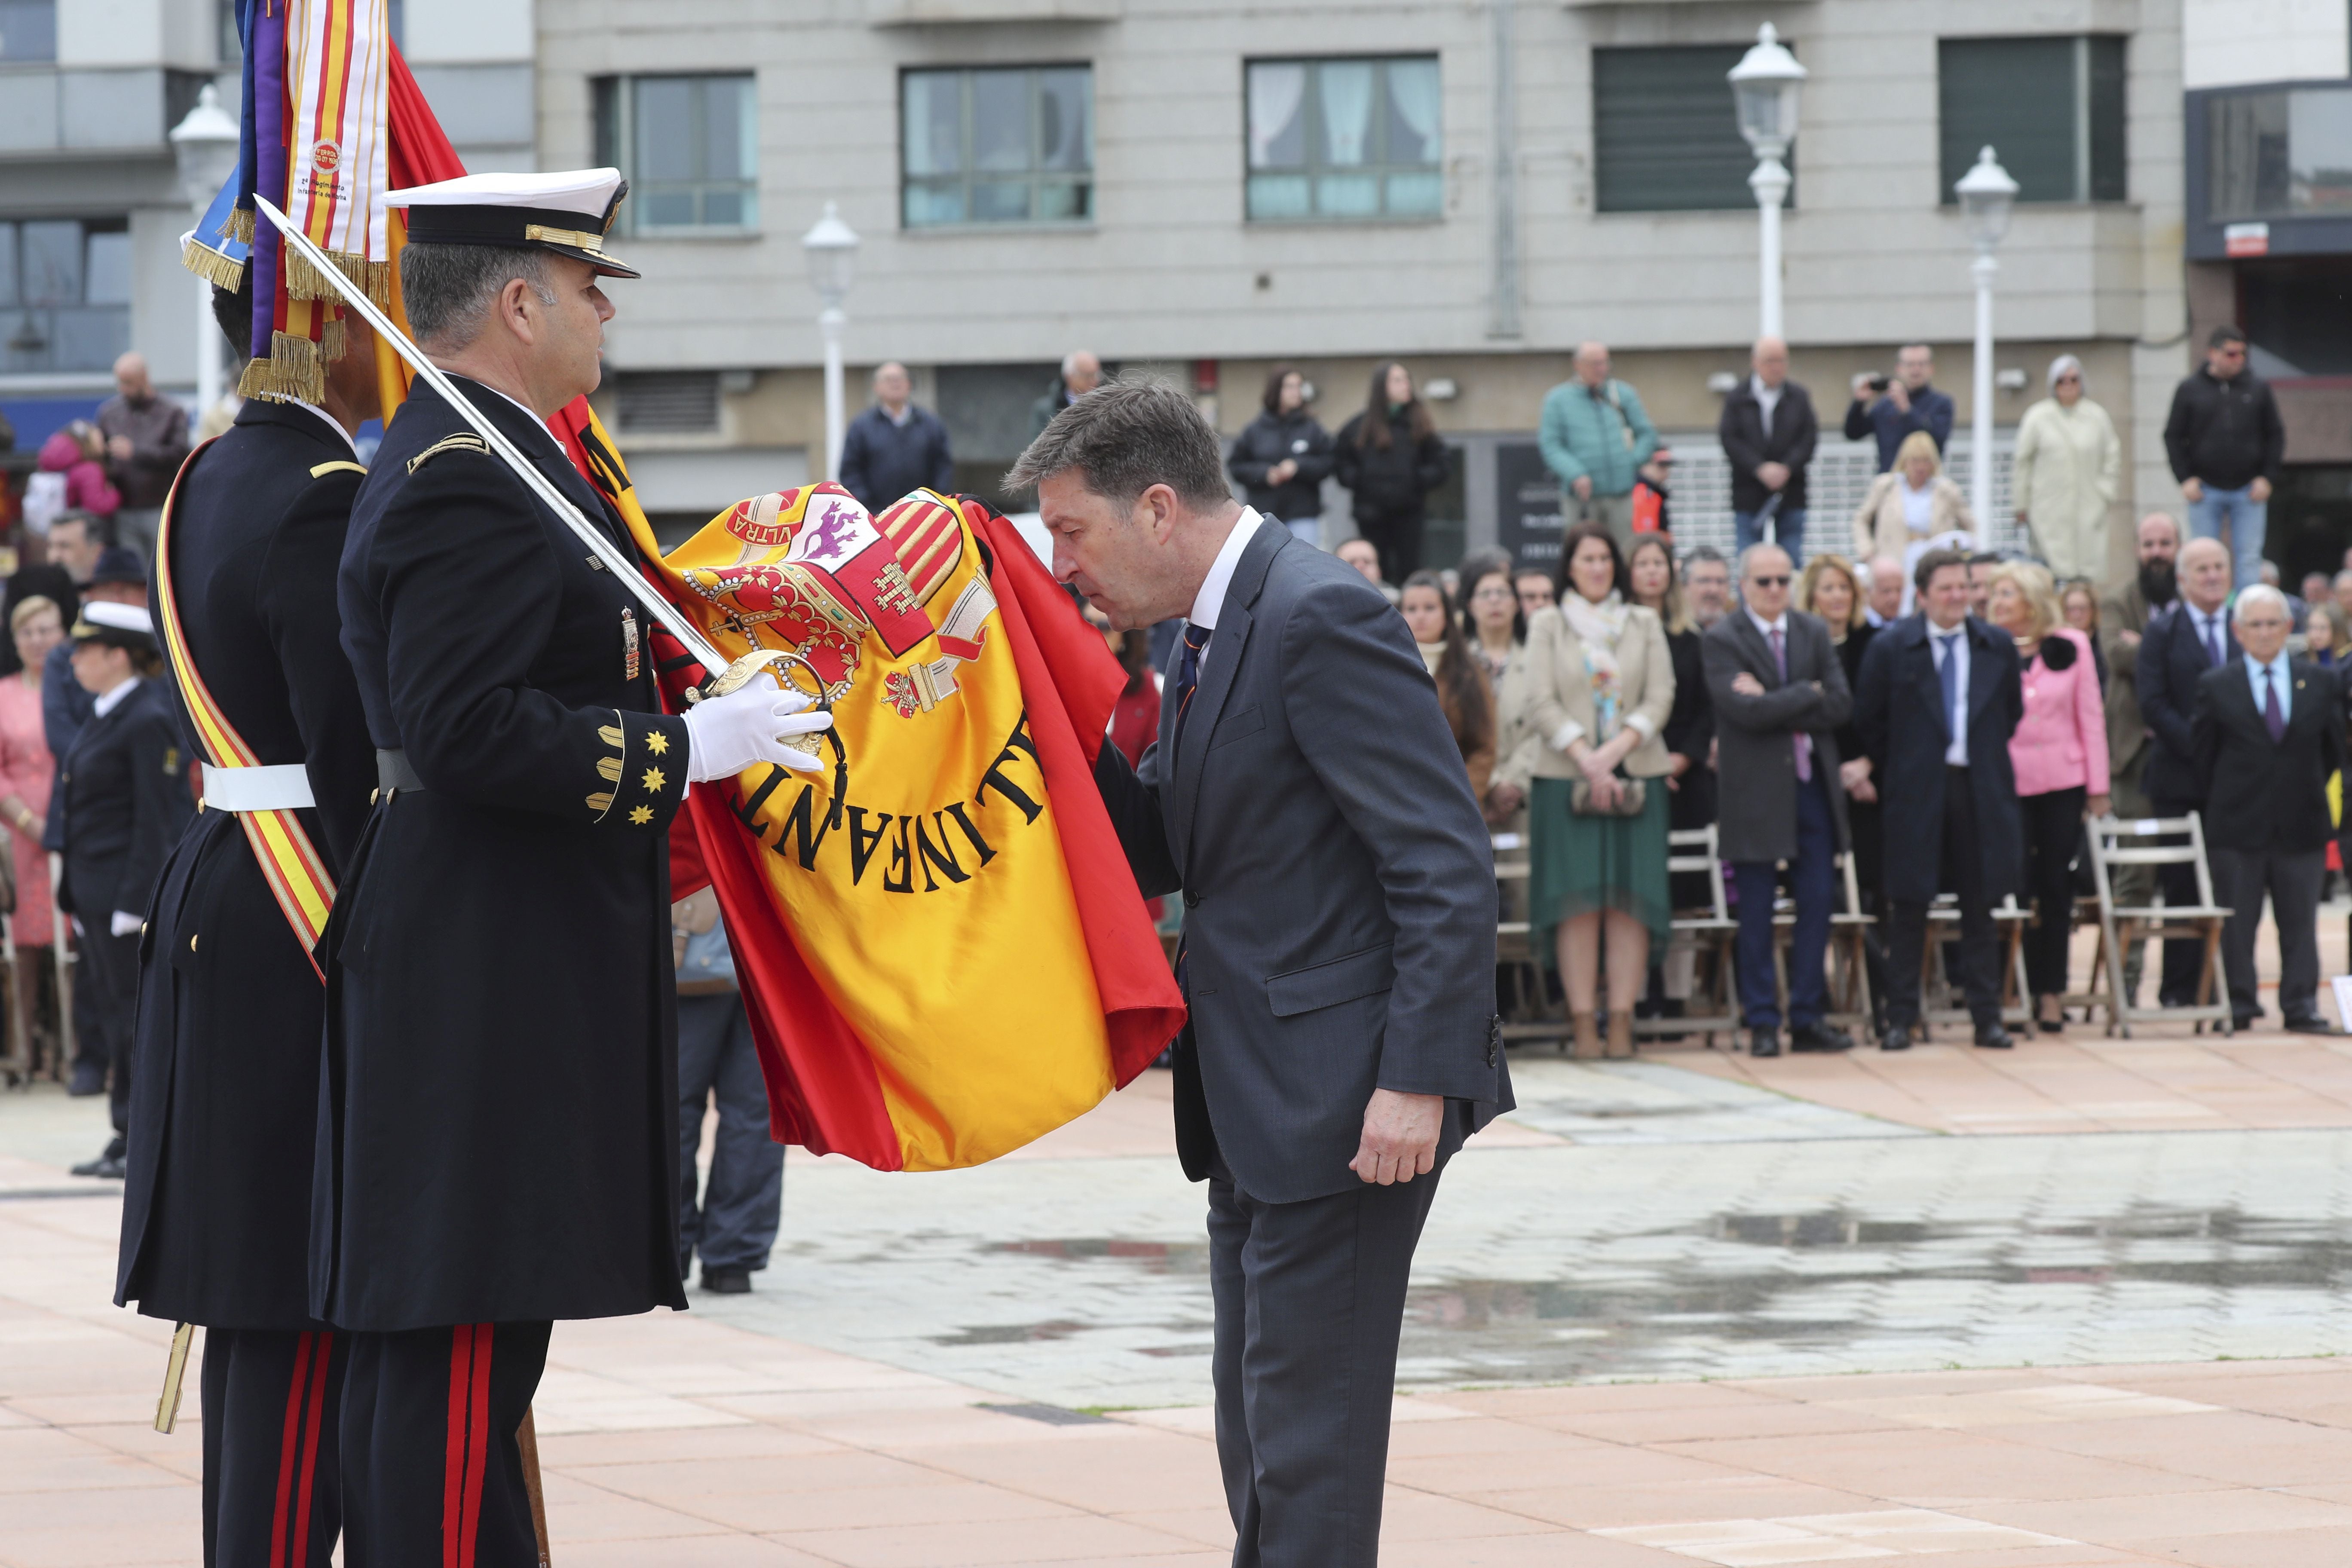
<point>1938,700</point>
<point>1780,695</point>
<point>216,1209</point>
<point>2179,647</point>
<point>501,1147</point>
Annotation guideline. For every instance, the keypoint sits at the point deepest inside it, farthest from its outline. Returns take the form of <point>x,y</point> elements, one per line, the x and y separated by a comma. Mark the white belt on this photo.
<point>279,788</point>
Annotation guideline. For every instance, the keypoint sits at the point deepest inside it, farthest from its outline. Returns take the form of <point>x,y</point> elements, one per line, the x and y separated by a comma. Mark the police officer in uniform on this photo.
<point>216,1209</point>
<point>502,1028</point>
<point>124,793</point>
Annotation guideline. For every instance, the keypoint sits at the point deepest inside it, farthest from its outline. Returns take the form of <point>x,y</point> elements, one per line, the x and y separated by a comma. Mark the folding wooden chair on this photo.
<point>1947,1007</point>
<point>2120,927</point>
<point>1709,927</point>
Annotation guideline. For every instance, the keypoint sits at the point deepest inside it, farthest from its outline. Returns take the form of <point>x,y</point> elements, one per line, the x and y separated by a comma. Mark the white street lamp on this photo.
<point>205,144</point>
<point>1986,194</point>
<point>1765,86</point>
<point>831,248</point>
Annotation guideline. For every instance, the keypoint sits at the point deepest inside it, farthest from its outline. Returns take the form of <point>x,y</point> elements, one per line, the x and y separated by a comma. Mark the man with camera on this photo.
<point>1891,407</point>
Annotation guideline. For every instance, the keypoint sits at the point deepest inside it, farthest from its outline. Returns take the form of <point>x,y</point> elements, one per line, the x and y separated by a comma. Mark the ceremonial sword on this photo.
<point>727,676</point>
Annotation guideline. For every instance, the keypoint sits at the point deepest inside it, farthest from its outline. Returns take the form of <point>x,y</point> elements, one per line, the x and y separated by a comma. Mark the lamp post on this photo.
<point>1764,87</point>
<point>832,246</point>
<point>204,145</point>
<point>1986,194</point>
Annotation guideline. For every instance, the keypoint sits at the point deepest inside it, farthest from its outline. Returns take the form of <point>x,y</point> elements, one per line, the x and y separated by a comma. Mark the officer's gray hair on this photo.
<point>1124,437</point>
<point>449,289</point>
<point>1748,555</point>
<point>2261,593</point>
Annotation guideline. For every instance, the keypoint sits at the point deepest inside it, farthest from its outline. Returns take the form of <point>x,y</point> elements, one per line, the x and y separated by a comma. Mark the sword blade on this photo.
<point>622,564</point>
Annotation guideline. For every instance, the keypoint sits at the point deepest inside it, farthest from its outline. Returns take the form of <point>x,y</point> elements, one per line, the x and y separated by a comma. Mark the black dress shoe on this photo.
<point>1818,1038</point>
<point>1763,1042</point>
<point>1993,1037</point>
<point>107,1166</point>
<point>89,1078</point>
<point>2312,1026</point>
<point>727,1281</point>
<point>1896,1038</point>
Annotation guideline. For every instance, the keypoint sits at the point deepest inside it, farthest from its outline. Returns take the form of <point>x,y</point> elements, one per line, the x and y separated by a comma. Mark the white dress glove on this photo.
<point>125,923</point>
<point>724,736</point>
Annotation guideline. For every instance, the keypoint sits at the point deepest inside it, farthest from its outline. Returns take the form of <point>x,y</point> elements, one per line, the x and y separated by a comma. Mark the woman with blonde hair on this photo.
<point>2069,467</point>
<point>1603,685</point>
<point>2059,753</point>
<point>1910,504</point>
<point>37,623</point>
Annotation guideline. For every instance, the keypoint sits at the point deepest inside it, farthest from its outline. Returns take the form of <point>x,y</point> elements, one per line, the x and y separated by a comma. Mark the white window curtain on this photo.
<point>1275,93</point>
<point>1347,108</point>
<point>1413,87</point>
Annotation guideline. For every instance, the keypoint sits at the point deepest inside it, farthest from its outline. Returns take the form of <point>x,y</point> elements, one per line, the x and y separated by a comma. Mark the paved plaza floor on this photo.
<point>2071,1305</point>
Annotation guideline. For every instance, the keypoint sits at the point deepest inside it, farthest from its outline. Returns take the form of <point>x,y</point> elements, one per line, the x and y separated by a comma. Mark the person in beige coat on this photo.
<point>1910,504</point>
<point>1601,685</point>
<point>2068,465</point>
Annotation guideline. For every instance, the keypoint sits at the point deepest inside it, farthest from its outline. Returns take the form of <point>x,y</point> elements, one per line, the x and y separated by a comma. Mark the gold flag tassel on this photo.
<point>220,271</point>
<point>240,227</point>
<point>296,368</point>
<point>303,282</point>
<point>175,1371</point>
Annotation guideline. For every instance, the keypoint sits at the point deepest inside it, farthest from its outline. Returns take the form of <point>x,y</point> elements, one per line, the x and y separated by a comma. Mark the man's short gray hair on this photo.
<point>1124,437</point>
<point>1751,554</point>
<point>2261,593</point>
<point>450,290</point>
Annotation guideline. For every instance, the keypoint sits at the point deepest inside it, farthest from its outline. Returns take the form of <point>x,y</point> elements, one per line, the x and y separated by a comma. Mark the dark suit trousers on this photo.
<point>113,965</point>
<point>2053,825</point>
<point>1310,1305</point>
<point>273,1417</point>
<point>431,1473</point>
<point>2240,878</point>
<point>1976,955</point>
<point>2184,957</point>
<point>734,1225</point>
<point>1813,878</point>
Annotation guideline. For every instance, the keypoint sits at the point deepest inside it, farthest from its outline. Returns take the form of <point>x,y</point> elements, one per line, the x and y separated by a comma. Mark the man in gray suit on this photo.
<point>1780,694</point>
<point>1338,944</point>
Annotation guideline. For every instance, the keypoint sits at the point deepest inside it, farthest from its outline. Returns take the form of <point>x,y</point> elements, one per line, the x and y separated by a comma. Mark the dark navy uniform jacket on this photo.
<point>501,1022</point>
<point>125,797</point>
<point>225,1088</point>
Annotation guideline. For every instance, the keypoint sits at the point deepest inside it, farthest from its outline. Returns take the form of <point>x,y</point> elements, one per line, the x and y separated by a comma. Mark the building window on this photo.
<point>1336,140</point>
<point>2282,153</point>
<point>998,146</point>
<point>64,293</point>
<point>1666,137</point>
<point>668,402</point>
<point>690,146</point>
<point>29,29</point>
<point>2051,109</point>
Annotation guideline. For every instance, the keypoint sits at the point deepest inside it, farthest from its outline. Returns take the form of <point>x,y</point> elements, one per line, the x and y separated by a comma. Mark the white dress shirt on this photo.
<point>1957,754</point>
<point>1767,399</point>
<point>2259,675</point>
<point>107,703</point>
<point>328,420</point>
<point>1210,602</point>
<point>2211,631</point>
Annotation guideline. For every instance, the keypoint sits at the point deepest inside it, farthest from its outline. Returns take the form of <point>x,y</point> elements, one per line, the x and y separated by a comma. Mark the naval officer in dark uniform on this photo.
<point>501,1029</point>
<point>216,1207</point>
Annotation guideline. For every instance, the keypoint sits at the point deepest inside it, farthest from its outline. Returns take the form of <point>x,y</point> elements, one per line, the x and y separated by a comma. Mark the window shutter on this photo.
<point>1666,137</point>
<point>2018,97</point>
<point>2107,178</point>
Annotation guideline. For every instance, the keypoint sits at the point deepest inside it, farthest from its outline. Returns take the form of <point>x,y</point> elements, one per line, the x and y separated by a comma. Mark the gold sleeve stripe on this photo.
<point>610,734</point>
<point>461,442</point>
<point>609,769</point>
<point>599,804</point>
<point>340,466</point>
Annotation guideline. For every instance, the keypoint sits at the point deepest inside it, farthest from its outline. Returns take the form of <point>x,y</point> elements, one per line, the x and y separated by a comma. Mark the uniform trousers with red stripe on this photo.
<point>431,1473</point>
<point>272,1403</point>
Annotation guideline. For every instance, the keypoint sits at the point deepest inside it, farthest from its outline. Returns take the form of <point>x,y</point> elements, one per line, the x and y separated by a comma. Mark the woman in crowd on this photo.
<point>2327,641</point>
<point>1497,634</point>
<point>79,452</point>
<point>1689,735</point>
<point>1909,504</point>
<point>1391,457</point>
<point>1462,690</point>
<point>1282,457</point>
<point>1832,589</point>
<point>25,770</point>
<point>2079,598</point>
<point>2069,464</point>
<point>2059,753</point>
<point>1603,684</point>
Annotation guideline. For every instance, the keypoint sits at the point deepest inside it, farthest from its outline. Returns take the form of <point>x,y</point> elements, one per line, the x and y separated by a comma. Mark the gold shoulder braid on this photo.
<point>464,441</point>
<point>340,466</point>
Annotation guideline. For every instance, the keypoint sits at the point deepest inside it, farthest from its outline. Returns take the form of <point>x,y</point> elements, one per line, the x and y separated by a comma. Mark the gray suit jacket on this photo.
<point>1757,814</point>
<point>1339,880</point>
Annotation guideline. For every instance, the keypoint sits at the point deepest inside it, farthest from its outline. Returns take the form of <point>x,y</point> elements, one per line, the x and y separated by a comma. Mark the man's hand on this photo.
<point>1583,487</point>
<point>1899,396</point>
<point>2260,490</point>
<point>119,448</point>
<point>1855,776</point>
<point>2193,488</point>
<point>725,735</point>
<point>1747,685</point>
<point>1400,1137</point>
<point>1771,475</point>
<point>1863,391</point>
<point>1280,474</point>
<point>2127,638</point>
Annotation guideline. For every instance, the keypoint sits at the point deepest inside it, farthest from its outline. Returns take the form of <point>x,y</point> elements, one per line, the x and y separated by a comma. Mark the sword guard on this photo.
<point>773,662</point>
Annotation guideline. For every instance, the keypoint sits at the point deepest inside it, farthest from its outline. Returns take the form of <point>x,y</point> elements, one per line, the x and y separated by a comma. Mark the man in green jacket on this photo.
<point>1596,435</point>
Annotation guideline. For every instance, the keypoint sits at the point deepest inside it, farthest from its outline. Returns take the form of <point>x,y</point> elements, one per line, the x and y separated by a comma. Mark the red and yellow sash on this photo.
<point>288,862</point>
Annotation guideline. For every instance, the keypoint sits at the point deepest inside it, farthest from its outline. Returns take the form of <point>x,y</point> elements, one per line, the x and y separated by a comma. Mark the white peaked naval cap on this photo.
<point>568,212</point>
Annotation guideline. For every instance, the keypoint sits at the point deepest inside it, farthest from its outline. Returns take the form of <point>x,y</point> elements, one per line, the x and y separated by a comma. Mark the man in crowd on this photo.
<point>1343,837</point>
<point>146,440</point>
<point>216,1210</point>
<point>1891,408</point>
<point>2225,442</point>
<point>1980,569</point>
<point>2314,591</point>
<point>893,446</point>
<point>1706,584</point>
<point>499,1155</point>
<point>730,1223</point>
<point>1081,373</point>
<point>2123,619</point>
<point>1884,584</point>
<point>1780,695</point>
<point>2267,735</point>
<point>1768,431</point>
<point>1940,697</point>
<point>1596,437</point>
<point>1365,557</point>
<point>2176,650</point>
<point>2272,578</point>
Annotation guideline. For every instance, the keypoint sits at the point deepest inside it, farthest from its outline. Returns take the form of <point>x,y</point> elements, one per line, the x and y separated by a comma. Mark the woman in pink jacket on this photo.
<point>78,451</point>
<point>2060,755</point>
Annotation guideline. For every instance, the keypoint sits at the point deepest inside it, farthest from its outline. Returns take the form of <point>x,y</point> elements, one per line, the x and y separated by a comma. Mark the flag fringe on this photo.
<point>220,271</point>
<point>303,282</point>
<point>240,225</point>
<point>296,368</point>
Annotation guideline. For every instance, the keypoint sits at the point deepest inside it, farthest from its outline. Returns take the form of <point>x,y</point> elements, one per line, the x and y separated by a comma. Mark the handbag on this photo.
<point>699,950</point>
<point>1631,796</point>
